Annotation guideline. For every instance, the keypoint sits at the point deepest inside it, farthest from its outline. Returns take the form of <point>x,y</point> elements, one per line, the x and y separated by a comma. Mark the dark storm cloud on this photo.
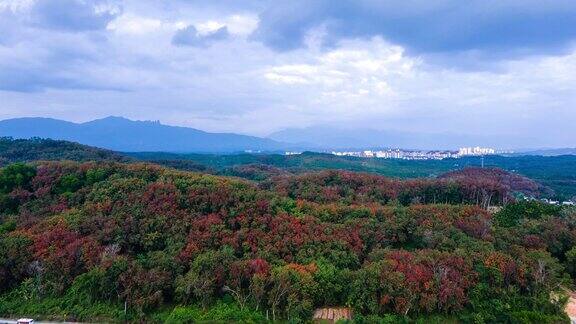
<point>422,26</point>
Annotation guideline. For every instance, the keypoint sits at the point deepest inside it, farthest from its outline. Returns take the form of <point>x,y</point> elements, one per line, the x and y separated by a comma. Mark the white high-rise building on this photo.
<point>464,151</point>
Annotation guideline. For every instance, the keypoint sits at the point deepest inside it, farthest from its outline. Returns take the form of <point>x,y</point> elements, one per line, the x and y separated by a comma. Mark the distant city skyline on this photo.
<point>406,154</point>
<point>476,68</point>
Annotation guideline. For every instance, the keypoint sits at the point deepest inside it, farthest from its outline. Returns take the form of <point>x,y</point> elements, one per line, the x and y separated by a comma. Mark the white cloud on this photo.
<point>16,5</point>
<point>242,25</point>
<point>131,24</point>
<point>208,27</point>
<point>355,78</point>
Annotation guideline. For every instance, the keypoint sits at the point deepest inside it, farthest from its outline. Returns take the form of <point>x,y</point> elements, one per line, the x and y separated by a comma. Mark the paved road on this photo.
<point>15,321</point>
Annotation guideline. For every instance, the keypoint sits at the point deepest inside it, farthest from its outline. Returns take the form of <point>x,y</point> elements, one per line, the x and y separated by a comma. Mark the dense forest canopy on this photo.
<point>81,241</point>
<point>483,187</point>
<point>37,149</point>
<point>557,175</point>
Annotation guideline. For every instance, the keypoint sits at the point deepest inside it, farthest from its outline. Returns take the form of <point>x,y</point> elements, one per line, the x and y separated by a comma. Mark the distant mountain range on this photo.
<point>121,134</point>
<point>549,152</point>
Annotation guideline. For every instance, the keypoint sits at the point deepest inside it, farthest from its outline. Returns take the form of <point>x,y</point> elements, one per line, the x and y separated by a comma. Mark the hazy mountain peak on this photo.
<point>122,134</point>
<point>111,119</point>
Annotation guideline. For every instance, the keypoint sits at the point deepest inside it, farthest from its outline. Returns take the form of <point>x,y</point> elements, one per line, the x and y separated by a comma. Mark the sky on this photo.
<point>476,67</point>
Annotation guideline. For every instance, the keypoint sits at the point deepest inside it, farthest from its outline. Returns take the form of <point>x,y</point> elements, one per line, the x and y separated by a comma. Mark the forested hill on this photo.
<point>482,187</point>
<point>557,173</point>
<point>37,149</point>
<point>84,241</point>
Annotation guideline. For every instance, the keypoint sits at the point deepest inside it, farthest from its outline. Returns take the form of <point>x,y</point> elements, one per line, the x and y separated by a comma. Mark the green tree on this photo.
<point>206,277</point>
<point>17,175</point>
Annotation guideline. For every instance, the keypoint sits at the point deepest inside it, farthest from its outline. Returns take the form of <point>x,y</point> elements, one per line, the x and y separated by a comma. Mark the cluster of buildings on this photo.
<point>475,151</point>
<point>418,154</point>
<point>552,201</point>
<point>556,202</point>
<point>421,155</point>
<point>400,154</point>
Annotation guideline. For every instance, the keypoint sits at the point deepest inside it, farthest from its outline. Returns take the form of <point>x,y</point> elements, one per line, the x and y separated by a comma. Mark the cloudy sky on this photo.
<point>498,67</point>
